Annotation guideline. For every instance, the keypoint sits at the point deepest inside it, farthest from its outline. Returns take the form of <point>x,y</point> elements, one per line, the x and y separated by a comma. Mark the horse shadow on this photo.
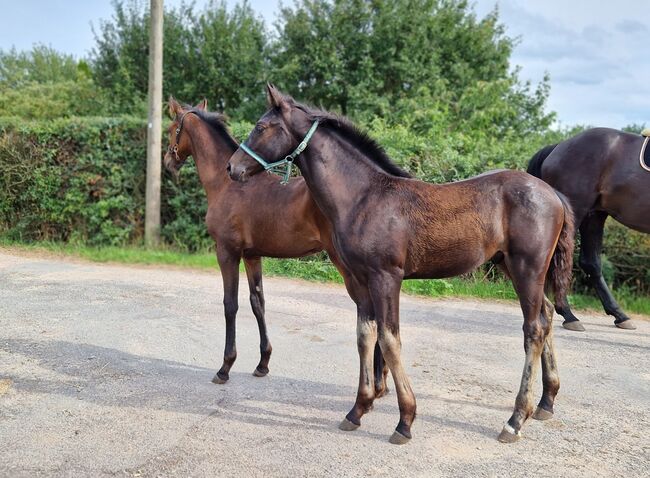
<point>115,378</point>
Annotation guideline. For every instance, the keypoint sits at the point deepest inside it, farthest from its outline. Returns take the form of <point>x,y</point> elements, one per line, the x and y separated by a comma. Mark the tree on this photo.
<point>42,64</point>
<point>215,53</point>
<point>44,83</point>
<point>389,58</point>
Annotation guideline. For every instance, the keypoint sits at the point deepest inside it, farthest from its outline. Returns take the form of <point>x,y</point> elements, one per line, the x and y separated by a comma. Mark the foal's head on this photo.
<point>179,143</point>
<point>276,135</point>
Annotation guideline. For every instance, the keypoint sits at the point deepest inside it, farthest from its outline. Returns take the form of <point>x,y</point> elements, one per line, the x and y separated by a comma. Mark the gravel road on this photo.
<point>105,370</point>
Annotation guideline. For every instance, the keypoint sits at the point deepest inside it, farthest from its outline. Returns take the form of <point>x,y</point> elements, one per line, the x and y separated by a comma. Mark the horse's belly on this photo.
<point>436,263</point>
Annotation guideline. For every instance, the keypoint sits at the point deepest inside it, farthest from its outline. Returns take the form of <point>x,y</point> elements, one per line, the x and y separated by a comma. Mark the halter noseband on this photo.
<point>179,129</point>
<point>282,166</point>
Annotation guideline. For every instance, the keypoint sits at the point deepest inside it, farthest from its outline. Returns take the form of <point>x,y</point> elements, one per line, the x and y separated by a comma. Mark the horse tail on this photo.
<point>535,163</point>
<point>558,278</point>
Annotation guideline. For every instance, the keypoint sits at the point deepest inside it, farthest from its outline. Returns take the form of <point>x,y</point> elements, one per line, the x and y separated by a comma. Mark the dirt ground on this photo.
<point>105,370</point>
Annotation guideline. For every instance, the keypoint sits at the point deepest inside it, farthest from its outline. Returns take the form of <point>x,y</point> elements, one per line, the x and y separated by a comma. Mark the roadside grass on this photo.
<point>313,270</point>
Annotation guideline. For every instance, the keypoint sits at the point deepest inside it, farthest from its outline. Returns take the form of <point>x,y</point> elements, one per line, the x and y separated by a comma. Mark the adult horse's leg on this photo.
<point>229,265</point>
<point>591,240</point>
<point>562,307</point>
<point>384,290</point>
<point>550,376</point>
<point>530,293</point>
<point>254,274</point>
<point>571,322</point>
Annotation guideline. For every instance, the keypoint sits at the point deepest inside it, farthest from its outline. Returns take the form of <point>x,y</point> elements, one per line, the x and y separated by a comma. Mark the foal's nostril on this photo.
<point>228,168</point>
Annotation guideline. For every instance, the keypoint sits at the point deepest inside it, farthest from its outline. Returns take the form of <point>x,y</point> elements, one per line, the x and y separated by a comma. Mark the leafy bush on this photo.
<point>82,180</point>
<point>78,179</point>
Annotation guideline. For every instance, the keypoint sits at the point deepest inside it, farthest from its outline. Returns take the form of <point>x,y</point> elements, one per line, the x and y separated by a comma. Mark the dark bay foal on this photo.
<point>389,228</point>
<point>601,174</point>
<point>263,218</point>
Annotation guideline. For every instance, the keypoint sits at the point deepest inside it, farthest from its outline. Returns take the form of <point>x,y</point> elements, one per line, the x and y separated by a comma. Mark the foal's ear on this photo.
<point>203,105</point>
<point>175,107</point>
<point>277,99</point>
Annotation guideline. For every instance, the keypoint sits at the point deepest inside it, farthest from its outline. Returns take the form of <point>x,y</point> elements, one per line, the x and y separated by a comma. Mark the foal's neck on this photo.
<point>211,153</point>
<point>338,174</point>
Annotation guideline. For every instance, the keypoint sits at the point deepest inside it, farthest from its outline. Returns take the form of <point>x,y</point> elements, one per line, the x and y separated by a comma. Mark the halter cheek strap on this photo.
<point>282,166</point>
<point>179,129</point>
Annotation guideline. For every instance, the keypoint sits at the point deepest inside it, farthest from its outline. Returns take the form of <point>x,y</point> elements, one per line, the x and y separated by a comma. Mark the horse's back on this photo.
<point>598,169</point>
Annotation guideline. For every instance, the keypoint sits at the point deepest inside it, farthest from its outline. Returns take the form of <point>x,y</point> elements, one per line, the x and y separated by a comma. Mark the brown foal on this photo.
<point>263,218</point>
<point>389,228</point>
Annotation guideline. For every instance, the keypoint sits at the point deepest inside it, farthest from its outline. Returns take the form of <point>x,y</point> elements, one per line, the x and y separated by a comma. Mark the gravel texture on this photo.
<point>106,369</point>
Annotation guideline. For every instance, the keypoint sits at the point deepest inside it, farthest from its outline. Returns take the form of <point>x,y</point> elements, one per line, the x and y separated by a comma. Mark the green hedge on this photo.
<point>79,179</point>
<point>82,180</point>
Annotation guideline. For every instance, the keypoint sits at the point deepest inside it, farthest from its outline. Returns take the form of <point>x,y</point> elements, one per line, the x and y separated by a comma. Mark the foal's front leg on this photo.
<point>366,340</point>
<point>229,265</point>
<point>254,274</point>
<point>381,373</point>
<point>384,290</point>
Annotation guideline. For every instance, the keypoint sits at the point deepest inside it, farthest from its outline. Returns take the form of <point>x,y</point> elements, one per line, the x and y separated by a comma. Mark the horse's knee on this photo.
<point>230,308</point>
<point>591,267</point>
<point>534,332</point>
<point>257,301</point>
<point>366,334</point>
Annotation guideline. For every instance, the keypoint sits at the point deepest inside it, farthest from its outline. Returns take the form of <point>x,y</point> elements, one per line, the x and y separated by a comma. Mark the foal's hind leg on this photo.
<point>550,376</point>
<point>254,274</point>
<point>529,287</point>
<point>591,244</point>
<point>229,265</point>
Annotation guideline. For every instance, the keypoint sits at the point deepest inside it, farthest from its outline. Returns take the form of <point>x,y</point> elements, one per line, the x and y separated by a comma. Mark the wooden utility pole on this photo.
<point>154,130</point>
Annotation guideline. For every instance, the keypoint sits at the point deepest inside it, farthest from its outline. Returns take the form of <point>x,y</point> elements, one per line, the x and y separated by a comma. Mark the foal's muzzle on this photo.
<point>237,172</point>
<point>172,165</point>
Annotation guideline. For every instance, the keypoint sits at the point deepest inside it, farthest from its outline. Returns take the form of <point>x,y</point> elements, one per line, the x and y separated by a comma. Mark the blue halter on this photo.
<point>283,166</point>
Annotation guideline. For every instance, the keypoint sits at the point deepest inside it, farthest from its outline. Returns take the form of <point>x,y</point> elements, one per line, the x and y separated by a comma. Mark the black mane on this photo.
<point>218,123</point>
<point>358,138</point>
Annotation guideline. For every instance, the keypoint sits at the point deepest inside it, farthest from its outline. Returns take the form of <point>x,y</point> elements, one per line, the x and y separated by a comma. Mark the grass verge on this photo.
<point>313,270</point>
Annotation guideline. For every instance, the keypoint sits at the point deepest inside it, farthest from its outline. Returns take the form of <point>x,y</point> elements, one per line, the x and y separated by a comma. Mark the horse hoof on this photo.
<point>260,373</point>
<point>398,439</point>
<point>626,324</point>
<point>574,325</point>
<point>542,414</point>
<point>219,380</point>
<point>508,435</point>
<point>347,426</point>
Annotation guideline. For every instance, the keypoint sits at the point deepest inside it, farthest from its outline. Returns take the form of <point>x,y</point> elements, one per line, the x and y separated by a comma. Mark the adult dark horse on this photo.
<point>261,219</point>
<point>599,172</point>
<point>388,228</point>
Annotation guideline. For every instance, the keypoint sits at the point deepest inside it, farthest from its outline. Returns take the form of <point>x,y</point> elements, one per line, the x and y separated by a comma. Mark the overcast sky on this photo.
<point>596,52</point>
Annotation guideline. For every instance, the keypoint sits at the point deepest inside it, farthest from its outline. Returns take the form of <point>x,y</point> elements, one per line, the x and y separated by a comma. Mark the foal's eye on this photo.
<point>259,127</point>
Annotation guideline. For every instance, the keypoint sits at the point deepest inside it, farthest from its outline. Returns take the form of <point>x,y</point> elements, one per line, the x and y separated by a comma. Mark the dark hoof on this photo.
<point>542,414</point>
<point>574,325</point>
<point>219,378</point>
<point>626,324</point>
<point>260,372</point>
<point>347,426</point>
<point>508,435</point>
<point>398,439</point>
